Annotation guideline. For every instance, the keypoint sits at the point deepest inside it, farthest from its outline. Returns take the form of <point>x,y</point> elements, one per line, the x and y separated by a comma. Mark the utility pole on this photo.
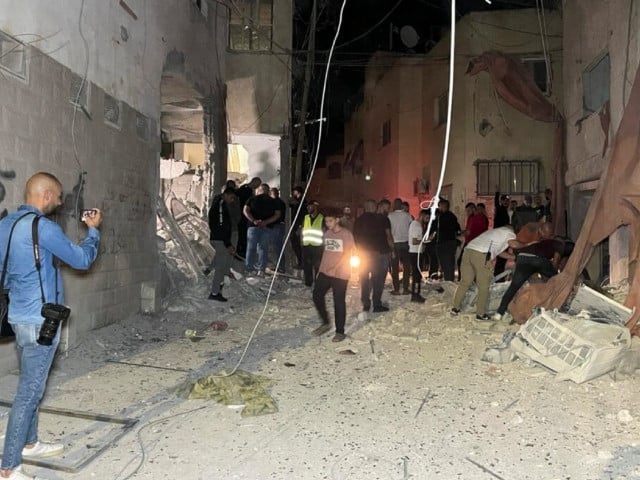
<point>302,119</point>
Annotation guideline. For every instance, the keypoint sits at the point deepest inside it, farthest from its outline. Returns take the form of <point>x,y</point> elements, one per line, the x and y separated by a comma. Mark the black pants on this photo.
<point>339,288</point>
<point>296,245</point>
<point>459,262</point>
<point>241,247</point>
<point>416,274</point>
<point>525,267</point>
<point>373,272</point>
<point>311,256</point>
<point>447,257</point>
<point>499,268</point>
<point>402,257</point>
<point>431,256</point>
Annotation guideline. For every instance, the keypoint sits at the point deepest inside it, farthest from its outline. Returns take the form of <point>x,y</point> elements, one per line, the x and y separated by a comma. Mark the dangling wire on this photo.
<point>294,219</point>
<point>433,203</point>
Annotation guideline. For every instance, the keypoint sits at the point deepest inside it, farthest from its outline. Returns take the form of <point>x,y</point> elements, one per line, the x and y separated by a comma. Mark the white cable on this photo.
<point>543,40</point>
<point>436,198</point>
<point>548,55</point>
<point>295,218</point>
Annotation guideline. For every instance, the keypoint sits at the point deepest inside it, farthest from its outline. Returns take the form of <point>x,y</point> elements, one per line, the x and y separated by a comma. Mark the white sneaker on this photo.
<point>19,474</point>
<point>496,317</point>
<point>42,450</point>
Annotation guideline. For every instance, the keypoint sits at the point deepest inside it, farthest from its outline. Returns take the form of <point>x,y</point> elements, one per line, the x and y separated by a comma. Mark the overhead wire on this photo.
<point>304,194</point>
<point>368,31</point>
<point>433,203</point>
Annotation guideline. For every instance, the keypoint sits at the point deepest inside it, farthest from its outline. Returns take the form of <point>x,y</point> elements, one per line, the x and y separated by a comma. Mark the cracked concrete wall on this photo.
<point>593,28</point>
<point>121,161</point>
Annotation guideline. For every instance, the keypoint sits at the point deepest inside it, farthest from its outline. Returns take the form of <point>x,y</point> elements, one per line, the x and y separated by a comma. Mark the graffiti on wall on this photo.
<point>8,175</point>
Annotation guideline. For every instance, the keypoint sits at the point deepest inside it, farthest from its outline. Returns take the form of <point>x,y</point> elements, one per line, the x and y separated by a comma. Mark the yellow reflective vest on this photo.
<point>312,230</point>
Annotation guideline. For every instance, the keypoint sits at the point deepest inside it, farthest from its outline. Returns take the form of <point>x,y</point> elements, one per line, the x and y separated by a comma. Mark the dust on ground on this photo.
<point>406,396</point>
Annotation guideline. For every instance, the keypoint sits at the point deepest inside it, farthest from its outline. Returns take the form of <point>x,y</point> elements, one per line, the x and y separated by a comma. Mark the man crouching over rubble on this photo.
<point>477,264</point>
<point>37,292</point>
<point>541,257</point>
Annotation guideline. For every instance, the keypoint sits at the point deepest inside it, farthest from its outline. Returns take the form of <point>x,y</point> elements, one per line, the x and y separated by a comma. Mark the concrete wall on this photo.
<point>406,90</point>
<point>259,83</point>
<point>593,28</point>
<point>514,136</point>
<point>121,163</point>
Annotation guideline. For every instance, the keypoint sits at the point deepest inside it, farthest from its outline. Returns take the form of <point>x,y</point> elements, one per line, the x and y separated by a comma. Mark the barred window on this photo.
<point>517,177</point>
<point>13,56</point>
<point>251,25</point>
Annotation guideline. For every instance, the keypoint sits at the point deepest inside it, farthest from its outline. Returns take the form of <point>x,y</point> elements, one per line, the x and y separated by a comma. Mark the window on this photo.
<point>251,25</point>
<point>13,56</point>
<point>142,127</point>
<point>386,133</point>
<point>80,98</point>
<point>111,111</point>
<point>595,84</point>
<point>537,66</point>
<point>440,105</point>
<point>516,177</point>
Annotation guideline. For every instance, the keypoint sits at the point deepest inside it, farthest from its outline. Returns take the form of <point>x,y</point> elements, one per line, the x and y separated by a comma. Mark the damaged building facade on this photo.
<point>82,92</point>
<point>395,138</point>
<point>257,73</point>
<point>602,53</point>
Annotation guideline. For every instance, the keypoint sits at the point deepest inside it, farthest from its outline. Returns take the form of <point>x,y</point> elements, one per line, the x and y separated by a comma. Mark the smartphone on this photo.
<point>87,214</point>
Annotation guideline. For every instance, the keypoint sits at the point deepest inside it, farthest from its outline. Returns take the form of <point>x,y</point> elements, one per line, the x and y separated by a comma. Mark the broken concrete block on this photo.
<point>598,307</point>
<point>576,348</point>
<point>149,297</point>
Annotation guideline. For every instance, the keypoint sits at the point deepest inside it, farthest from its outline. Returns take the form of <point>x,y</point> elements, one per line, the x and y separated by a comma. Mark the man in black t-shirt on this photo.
<point>261,213</point>
<point>541,257</point>
<point>372,234</point>
<point>244,193</point>
<point>447,231</point>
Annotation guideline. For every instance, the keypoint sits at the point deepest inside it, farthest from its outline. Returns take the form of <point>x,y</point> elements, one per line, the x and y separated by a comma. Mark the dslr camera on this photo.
<point>53,314</point>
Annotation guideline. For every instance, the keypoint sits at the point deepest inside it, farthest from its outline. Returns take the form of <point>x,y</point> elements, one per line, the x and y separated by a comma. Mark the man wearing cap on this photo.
<point>312,238</point>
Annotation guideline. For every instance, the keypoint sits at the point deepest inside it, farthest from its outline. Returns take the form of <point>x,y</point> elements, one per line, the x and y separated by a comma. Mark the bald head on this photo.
<point>44,191</point>
<point>546,230</point>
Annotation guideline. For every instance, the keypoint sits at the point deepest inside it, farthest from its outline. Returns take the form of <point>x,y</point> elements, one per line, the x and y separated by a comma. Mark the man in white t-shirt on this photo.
<point>400,221</point>
<point>477,265</point>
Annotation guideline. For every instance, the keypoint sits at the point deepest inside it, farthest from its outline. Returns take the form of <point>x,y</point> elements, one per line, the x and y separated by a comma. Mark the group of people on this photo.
<point>246,224</point>
<point>523,236</point>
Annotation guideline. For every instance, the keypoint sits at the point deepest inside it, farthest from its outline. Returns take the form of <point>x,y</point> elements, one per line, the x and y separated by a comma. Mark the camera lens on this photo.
<point>48,331</point>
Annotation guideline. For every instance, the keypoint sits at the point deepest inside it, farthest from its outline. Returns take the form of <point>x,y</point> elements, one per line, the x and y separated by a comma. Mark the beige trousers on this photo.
<point>474,267</point>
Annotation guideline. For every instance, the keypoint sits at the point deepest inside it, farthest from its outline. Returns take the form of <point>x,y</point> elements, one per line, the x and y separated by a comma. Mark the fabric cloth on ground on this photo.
<point>237,389</point>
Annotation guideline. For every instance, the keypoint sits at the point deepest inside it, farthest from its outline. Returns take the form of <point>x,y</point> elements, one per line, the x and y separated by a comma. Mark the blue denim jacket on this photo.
<point>25,300</point>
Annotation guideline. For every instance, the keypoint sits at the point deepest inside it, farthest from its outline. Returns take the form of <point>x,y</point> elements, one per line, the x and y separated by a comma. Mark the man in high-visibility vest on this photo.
<point>312,238</point>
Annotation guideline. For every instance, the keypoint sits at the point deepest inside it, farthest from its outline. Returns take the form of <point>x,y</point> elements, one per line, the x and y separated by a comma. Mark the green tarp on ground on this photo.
<point>241,388</point>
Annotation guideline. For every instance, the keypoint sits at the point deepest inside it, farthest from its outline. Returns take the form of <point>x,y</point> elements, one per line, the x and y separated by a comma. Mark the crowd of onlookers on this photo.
<point>249,224</point>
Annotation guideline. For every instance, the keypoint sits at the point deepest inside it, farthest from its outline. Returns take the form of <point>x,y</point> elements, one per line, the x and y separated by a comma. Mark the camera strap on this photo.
<point>6,254</point>
<point>36,255</point>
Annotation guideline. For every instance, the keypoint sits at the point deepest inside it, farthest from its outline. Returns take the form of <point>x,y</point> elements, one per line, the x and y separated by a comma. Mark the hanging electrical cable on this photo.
<point>304,195</point>
<point>433,203</point>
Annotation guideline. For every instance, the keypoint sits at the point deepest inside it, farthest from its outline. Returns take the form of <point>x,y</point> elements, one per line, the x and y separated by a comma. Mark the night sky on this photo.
<point>427,17</point>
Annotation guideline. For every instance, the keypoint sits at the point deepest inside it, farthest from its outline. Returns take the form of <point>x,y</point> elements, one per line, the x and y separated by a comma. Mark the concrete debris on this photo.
<point>577,349</point>
<point>502,352</point>
<point>588,303</point>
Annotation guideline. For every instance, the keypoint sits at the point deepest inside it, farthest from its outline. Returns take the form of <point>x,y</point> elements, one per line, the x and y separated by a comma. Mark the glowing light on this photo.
<point>354,261</point>
<point>367,177</point>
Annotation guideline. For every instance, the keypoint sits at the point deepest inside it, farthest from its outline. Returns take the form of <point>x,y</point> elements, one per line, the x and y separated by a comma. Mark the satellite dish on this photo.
<point>409,36</point>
